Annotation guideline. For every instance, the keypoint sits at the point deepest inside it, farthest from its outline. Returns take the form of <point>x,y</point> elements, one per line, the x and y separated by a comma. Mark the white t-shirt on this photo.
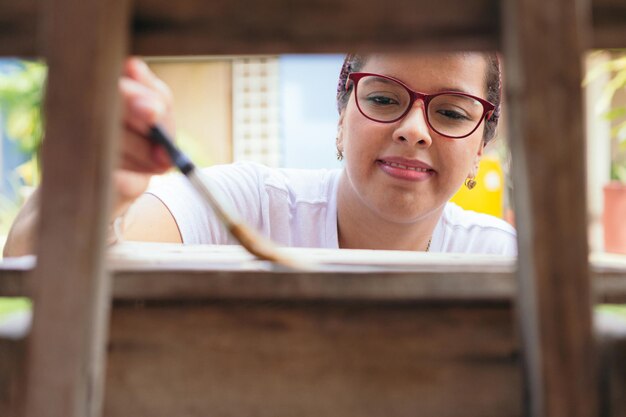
<point>298,208</point>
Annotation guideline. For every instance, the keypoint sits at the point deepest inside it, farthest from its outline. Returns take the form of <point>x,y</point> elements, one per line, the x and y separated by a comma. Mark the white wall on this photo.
<point>308,110</point>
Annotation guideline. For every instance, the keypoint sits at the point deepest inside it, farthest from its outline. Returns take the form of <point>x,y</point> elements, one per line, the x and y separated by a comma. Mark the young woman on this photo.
<point>411,131</point>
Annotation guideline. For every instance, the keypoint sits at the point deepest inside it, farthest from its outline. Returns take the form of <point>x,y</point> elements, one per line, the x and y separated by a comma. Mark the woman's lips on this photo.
<point>406,169</point>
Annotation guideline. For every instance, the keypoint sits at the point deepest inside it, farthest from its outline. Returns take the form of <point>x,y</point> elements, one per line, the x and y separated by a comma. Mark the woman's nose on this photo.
<point>413,128</point>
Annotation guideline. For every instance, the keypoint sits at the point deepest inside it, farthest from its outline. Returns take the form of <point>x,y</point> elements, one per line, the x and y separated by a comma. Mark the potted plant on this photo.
<point>614,215</point>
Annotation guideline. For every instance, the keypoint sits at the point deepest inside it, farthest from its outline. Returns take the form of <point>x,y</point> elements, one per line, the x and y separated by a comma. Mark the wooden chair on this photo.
<point>443,340</point>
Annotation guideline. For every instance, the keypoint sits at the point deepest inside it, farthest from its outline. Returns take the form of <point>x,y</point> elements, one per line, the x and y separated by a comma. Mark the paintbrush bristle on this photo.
<point>265,249</point>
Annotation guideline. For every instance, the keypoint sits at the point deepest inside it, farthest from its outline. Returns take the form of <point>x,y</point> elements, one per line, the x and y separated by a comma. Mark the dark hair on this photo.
<point>493,80</point>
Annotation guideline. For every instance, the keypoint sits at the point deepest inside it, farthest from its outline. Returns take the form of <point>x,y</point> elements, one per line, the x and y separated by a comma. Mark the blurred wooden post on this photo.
<point>84,43</point>
<point>543,46</point>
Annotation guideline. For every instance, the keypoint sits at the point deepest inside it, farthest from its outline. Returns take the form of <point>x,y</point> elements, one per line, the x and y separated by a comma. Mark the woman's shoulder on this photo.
<point>471,232</point>
<point>457,217</point>
<point>279,177</point>
<point>299,185</point>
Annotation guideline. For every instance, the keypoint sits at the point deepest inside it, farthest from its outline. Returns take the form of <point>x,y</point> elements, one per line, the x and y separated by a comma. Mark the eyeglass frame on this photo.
<point>355,77</point>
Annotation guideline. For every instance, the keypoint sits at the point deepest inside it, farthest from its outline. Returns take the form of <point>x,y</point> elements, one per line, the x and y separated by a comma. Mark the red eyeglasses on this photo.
<point>386,100</point>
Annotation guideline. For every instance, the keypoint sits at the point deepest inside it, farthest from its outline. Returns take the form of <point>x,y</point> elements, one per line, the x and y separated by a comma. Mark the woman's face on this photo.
<point>373,150</point>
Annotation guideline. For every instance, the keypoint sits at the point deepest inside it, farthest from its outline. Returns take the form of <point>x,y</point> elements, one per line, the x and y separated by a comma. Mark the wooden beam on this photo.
<point>191,27</point>
<point>84,46</point>
<point>272,26</point>
<point>12,353</point>
<point>16,277</point>
<point>333,357</point>
<point>162,272</point>
<point>312,359</point>
<point>612,386</point>
<point>609,24</point>
<point>18,28</point>
<point>543,48</point>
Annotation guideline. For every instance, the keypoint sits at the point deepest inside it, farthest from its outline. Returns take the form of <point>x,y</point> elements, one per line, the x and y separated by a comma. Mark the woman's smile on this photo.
<point>405,169</point>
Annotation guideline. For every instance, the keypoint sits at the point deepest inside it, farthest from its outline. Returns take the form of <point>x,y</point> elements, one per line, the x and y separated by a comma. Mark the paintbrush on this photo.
<point>251,240</point>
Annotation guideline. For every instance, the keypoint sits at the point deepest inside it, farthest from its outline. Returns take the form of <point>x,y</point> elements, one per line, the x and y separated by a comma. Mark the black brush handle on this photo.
<point>182,162</point>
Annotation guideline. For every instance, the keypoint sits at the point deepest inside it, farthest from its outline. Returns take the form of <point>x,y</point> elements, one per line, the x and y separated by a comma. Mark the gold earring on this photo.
<point>470,182</point>
<point>339,155</point>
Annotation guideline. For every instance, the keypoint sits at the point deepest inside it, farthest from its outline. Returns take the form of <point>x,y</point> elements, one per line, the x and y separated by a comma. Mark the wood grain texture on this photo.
<point>193,275</point>
<point>332,358</point>
<point>12,355</point>
<point>543,46</point>
<point>310,359</point>
<point>192,27</point>
<point>272,26</point>
<point>18,28</point>
<point>612,387</point>
<point>339,357</point>
<point>84,46</point>
<point>189,27</point>
<point>609,24</point>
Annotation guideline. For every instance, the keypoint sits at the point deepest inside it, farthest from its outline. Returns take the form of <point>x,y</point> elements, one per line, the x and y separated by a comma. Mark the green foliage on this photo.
<point>10,306</point>
<point>21,102</point>
<point>618,310</point>
<point>615,69</point>
<point>8,212</point>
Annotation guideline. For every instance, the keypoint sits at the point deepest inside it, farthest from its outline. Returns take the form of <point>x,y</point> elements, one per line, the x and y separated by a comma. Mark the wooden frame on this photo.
<point>192,28</point>
<point>541,42</point>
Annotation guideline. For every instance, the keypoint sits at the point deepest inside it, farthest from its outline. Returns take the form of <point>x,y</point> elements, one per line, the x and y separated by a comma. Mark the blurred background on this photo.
<point>281,111</point>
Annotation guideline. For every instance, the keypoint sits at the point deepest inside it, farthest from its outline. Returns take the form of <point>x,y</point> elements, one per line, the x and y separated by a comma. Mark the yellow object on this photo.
<point>488,195</point>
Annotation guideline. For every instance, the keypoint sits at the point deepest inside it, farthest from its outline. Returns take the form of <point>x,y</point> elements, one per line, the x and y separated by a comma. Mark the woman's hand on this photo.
<point>146,101</point>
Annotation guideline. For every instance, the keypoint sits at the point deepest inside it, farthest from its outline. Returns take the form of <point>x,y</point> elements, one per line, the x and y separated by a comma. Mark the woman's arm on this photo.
<point>146,101</point>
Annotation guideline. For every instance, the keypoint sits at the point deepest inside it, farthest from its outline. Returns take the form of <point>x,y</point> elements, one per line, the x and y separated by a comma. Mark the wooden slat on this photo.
<point>164,271</point>
<point>157,276</point>
<point>338,357</point>
<point>192,27</point>
<point>314,286</point>
<point>12,354</point>
<point>274,26</point>
<point>543,46</point>
<point>609,24</point>
<point>612,373</point>
<point>84,46</point>
<point>310,359</point>
<point>18,28</point>
<point>15,277</point>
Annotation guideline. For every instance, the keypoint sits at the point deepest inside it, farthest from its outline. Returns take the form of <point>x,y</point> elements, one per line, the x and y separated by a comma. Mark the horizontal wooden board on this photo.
<point>272,26</point>
<point>176,272</point>
<point>18,28</point>
<point>194,27</point>
<point>609,24</point>
<point>312,359</point>
<point>306,358</point>
<point>12,360</point>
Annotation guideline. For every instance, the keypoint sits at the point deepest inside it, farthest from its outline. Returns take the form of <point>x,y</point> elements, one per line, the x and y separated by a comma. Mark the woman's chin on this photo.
<point>404,215</point>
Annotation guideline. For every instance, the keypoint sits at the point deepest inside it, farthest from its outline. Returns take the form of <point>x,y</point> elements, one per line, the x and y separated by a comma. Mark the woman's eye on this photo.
<point>382,100</point>
<point>454,115</point>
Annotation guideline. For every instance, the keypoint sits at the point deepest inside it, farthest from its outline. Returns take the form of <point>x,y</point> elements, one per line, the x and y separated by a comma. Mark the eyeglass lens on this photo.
<point>385,100</point>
